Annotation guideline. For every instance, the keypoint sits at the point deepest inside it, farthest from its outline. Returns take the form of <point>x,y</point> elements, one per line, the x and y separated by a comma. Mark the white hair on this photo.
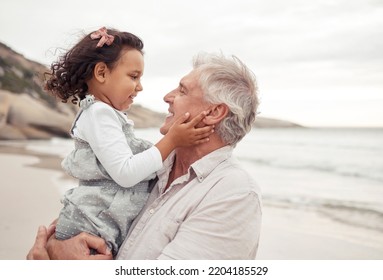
<point>229,81</point>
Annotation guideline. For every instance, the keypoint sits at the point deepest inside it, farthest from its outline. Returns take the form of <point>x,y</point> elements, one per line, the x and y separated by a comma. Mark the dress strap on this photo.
<point>84,104</point>
<point>121,118</point>
<point>75,120</point>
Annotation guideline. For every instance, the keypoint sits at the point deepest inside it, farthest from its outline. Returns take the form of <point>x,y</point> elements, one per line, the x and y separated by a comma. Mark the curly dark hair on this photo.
<point>68,76</point>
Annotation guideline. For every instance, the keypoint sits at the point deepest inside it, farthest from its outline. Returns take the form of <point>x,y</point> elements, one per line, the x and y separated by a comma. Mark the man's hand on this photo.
<point>39,251</point>
<point>79,247</point>
<point>47,247</point>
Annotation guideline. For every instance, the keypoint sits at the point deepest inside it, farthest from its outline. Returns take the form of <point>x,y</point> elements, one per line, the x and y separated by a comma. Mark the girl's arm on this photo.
<point>183,134</point>
<point>100,127</point>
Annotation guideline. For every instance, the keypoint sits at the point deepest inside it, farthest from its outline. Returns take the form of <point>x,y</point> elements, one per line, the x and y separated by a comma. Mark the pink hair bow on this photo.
<point>104,37</point>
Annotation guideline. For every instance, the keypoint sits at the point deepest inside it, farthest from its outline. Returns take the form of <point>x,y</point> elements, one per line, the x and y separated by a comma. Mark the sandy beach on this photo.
<point>30,196</point>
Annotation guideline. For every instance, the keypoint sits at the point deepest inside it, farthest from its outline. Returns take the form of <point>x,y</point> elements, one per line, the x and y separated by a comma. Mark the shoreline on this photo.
<point>30,196</point>
<point>46,161</point>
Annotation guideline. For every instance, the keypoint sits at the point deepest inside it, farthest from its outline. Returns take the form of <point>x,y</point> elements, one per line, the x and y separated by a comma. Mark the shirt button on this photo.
<point>151,211</point>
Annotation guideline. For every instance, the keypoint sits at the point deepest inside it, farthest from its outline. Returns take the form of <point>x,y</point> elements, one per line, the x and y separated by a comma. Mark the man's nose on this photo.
<point>139,86</point>
<point>169,97</point>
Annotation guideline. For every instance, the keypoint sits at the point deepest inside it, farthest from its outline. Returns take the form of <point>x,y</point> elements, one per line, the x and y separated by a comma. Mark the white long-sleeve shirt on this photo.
<point>101,128</point>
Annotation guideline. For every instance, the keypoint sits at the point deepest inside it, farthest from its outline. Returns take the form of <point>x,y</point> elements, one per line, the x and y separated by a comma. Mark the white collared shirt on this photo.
<point>212,212</point>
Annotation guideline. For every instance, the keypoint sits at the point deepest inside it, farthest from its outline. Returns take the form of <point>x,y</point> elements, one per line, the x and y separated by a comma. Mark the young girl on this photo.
<point>113,167</point>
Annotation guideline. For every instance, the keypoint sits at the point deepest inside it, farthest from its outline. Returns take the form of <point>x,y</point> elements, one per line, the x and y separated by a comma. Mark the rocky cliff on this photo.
<point>27,112</point>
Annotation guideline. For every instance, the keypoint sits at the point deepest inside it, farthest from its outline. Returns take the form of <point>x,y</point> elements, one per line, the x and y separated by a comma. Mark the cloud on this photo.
<point>292,45</point>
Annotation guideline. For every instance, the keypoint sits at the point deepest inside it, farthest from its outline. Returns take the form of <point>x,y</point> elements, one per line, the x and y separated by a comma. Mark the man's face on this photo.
<point>187,97</point>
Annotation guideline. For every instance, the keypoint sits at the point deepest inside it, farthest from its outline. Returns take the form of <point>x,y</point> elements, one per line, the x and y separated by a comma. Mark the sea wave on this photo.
<point>365,172</point>
<point>348,212</point>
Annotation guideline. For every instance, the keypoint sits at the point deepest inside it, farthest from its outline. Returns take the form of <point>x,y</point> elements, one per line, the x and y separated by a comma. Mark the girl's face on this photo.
<point>123,82</point>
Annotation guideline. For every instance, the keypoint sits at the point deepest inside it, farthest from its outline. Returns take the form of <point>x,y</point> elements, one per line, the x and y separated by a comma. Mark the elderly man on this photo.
<point>204,205</point>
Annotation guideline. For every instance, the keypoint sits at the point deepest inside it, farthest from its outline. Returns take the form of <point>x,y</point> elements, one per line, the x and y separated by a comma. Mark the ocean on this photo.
<point>336,172</point>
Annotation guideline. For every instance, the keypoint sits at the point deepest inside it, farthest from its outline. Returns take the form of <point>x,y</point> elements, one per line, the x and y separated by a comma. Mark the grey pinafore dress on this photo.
<point>99,205</point>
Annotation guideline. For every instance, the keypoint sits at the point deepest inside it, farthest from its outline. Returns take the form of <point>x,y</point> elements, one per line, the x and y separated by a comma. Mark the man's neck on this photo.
<point>186,156</point>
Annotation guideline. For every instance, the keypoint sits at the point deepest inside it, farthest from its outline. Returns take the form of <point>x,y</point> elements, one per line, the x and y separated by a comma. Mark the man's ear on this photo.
<point>216,114</point>
<point>99,71</point>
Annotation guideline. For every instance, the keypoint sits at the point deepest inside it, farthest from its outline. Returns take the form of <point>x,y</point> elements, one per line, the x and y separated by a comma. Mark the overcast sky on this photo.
<point>318,63</point>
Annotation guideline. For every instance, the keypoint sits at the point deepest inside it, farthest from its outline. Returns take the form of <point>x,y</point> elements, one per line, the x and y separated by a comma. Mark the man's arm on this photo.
<point>47,247</point>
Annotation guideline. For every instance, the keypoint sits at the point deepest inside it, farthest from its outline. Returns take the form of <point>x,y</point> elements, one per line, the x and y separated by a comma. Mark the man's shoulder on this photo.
<point>233,167</point>
<point>233,177</point>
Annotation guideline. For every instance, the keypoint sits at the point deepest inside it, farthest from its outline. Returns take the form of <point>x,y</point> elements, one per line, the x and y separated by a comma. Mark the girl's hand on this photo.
<point>185,133</point>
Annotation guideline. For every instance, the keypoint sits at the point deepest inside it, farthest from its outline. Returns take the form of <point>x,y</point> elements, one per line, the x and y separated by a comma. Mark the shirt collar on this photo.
<point>202,167</point>
<point>208,163</point>
<point>167,164</point>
